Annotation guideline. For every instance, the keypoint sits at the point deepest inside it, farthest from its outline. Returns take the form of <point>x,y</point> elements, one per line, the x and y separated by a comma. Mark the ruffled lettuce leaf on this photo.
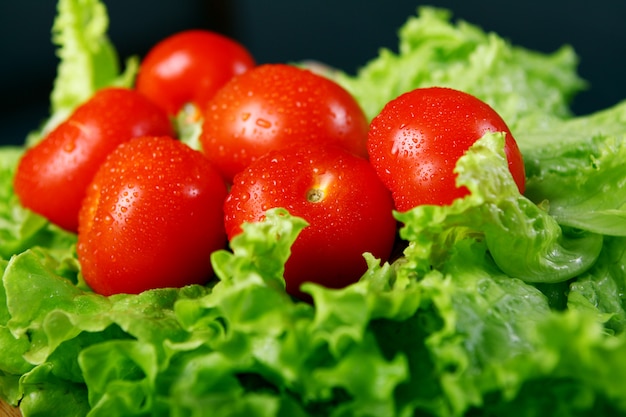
<point>51,321</point>
<point>46,394</point>
<point>575,169</point>
<point>433,50</point>
<point>602,290</point>
<point>87,58</point>
<point>488,344</point>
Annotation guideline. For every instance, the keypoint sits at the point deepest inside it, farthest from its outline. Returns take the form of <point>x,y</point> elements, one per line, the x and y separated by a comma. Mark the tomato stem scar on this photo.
<point>314,195</point>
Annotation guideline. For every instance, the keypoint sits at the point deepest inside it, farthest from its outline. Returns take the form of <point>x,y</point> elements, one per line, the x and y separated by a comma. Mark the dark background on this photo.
<point>342,33</point>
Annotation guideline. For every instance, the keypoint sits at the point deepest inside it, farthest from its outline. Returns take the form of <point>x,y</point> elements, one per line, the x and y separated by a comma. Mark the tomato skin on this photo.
<point>151,218</point>
<point>348,209</point>
<point>190,66</point>
<point>274,105</point>
<point>416,140</point>
<point>52,176</point>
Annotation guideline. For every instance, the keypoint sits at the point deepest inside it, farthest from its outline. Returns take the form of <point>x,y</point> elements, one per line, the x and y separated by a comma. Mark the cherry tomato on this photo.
<point>151,218</point>
<point>348,209</point>
<point>416,140</point>
<point>53,175</point>
<point>190,66</point>
<point>274,105</point>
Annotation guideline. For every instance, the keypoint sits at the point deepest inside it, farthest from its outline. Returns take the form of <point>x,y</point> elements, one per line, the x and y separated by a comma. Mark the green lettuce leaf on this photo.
<point>51,321</point>
<point>602,291</point>
<point>45,394</point>
<point>87,58</point>
<point>575,169</point>
<point>432,51</point>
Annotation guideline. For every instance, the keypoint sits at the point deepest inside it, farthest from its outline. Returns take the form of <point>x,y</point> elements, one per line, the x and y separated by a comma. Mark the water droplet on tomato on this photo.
<point>263,123</point>
<point>395,148</point>
<point>70,146</point>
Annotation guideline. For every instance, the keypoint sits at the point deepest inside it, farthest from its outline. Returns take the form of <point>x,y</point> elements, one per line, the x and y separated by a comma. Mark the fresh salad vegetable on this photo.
<point>431,128</point>
<point>346,205</point>
<point>272,106</point>
<point>190,66</point>
<point>137,232</point>
<point>501,303</point>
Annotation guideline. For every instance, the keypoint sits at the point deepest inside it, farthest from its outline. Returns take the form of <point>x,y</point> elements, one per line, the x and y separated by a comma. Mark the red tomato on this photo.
<point>151,218</point>
<point>348,209</point>
<point>274,105</point>
<point>417,139</point>
<point>190,66</point>
<point>53,175</point>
